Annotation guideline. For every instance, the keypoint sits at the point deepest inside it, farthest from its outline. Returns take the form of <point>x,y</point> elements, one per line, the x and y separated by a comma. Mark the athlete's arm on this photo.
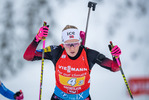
<point>32,54</point>
<point>100,59</point>
<point>107,63</point>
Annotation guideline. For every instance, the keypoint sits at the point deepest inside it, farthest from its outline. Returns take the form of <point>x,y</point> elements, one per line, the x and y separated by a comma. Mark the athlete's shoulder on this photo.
<point>51,48</point>
<point>55,49</point>
<point>90,51</point>
<point>93,55</point>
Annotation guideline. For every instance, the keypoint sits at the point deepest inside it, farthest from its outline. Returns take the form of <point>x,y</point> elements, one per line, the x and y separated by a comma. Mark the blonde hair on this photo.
<point>68,27</point>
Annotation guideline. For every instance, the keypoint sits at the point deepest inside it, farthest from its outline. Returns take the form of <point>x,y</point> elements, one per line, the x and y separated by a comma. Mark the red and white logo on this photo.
<point>71,36</point>
<point>72,91</point>
<point>63,56</point>
<point>139,85</point>
<point>69,69</point>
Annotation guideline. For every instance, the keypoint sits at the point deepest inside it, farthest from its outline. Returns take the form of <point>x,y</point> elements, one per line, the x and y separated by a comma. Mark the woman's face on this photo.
<point>72,47</point>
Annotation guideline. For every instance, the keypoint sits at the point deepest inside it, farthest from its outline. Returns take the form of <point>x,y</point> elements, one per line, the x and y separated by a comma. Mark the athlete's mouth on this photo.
<point>72,52</point>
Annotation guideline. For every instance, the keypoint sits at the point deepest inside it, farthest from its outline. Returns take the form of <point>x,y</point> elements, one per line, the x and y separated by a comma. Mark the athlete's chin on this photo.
<point>72,54</point>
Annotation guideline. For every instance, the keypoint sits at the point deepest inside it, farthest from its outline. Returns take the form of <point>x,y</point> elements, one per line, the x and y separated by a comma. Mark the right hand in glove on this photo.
<point>42,33</point>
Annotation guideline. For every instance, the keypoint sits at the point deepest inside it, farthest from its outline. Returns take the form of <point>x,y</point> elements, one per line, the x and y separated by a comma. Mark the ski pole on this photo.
<point>90,5</point>
<point>119,64</point>
<point>42,66</point>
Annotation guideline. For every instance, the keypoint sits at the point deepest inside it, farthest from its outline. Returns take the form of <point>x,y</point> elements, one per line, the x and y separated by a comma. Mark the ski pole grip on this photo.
<point>45,24</point>
<point>92,4</point>
<point>111,44</point>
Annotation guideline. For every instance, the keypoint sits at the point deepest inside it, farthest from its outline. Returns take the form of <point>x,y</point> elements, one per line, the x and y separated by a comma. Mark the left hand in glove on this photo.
<point>116,51</point>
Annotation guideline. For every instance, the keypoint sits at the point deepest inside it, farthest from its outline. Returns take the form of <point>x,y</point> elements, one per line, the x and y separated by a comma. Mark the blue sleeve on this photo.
<point>6,92</point>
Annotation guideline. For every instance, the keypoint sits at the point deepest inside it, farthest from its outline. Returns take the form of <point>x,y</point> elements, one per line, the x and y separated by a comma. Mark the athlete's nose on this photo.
<point>71,45</point>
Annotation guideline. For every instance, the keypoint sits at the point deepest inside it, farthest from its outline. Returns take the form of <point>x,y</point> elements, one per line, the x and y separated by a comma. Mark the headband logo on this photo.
<point>70,33</point>
<point>71,36</point>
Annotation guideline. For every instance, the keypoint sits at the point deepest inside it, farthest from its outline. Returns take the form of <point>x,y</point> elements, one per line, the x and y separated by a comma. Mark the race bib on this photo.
<point>72,81</point>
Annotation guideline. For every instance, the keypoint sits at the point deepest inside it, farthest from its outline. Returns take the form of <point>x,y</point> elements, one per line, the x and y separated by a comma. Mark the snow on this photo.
<point>105,85</point>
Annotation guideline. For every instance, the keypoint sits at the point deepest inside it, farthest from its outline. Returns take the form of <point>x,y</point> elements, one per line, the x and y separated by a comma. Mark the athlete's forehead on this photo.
<point>71,41</point>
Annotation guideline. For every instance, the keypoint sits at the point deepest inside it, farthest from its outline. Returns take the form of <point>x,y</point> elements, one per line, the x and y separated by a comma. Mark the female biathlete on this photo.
<point>73,63</point>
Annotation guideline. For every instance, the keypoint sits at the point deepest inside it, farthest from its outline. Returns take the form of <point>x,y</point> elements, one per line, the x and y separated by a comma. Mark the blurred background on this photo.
<point>125,22</point>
